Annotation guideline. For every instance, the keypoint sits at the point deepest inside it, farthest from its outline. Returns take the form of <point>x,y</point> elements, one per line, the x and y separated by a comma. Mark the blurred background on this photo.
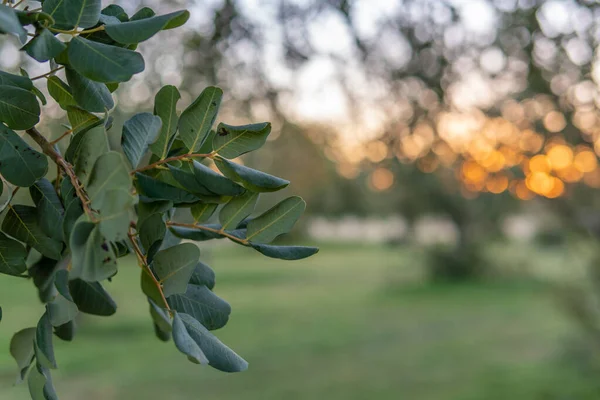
<point>448,152</point>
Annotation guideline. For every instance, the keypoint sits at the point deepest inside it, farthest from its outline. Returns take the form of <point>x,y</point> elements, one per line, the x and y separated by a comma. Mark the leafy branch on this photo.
<point>209,229</point>
<point>183,157</point>
<point>67,168</point>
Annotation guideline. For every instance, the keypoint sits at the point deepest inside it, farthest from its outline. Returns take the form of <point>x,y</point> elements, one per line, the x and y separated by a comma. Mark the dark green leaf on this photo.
<point>174,267</point>
<point>21,223</point>
<point>155,189</point>
<point>43,341</point>
<point>110,172</point>
<point>21,348</point>
<point>203,211</point>
<point>185,343</point>
<point>50,209</point>
<point>138,133</point>
<point>44,46</point>
<point>115,214</point>
<point>89,95</point>
<point>139,30</point>
<point>152,231</point>
<point>19,163</point>
<point>28,17</point>
<point>91,298</point>
<point>22,82</point>
<point>19,108</point>
<point>237,210</point>
<point>82,13</point>
<point>9,23</point>
<point>196,234</point>
<point>149,287</point>
<point>40,383</point>
<point>285,252</point>
<point>85,149</point>
<point>143,13</point>
<point>249,178</point>
<point>233,141</point>
<point>215,182</point>
<point>61,93</point>
<point>66,332</point>
<point>219,356</point>
<point>73,207</point>
<point>277,221</point>
<point>205,306</point>
<point>203,275</point>
<point>82,120</point>
<point>103,63</point>
<point>165,106</point>
<point>57,9</point>
<point>195,122</point>
<point>93,259</point>
<point>61,281</point>
<point>12,256</point>
<point>115,11</point>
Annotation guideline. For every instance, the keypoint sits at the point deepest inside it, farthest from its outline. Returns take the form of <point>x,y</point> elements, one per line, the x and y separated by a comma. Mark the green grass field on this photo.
<point>350,323</point>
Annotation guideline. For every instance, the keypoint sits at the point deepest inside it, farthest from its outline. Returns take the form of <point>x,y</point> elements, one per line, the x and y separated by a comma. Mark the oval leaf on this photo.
<point>233,141</point>
<point>19,163</point>
<point>249,178</point>
<point>174,267</point>
<point>138,133</point>
<point>165,107</point>
<point>196,120</point>
<point>19,108</point>
<point>277,221</point>
<point>143,29</point>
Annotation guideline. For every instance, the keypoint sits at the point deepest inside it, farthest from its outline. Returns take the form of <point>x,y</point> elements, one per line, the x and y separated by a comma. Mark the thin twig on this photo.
<point>169,159</point>
<point>67,133</point>
<point>47,73</point>
<point>144,266</point>
<point>67,168</point>
<point>75,32</point>
<point>209,229</point>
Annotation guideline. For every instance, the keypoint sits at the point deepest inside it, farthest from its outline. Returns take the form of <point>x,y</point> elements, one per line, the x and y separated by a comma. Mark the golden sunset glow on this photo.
<point>382,179</point>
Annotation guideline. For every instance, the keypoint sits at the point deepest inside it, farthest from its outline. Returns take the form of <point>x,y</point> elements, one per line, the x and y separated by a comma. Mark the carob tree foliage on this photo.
<point>104,204</point>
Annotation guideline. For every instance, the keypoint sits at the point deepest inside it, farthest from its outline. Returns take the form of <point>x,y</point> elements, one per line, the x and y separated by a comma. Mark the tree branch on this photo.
<point>169,159</point>
<point>208,229</point>
<point>67,168</point>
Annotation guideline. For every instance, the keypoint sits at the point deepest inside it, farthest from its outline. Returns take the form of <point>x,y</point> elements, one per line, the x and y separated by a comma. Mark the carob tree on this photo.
<point>100,204</point>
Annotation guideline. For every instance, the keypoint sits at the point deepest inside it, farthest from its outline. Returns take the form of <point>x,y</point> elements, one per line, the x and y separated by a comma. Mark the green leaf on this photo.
<point>85,149</point>
<point>43,341</point>
<point>66,332</point>
<point>21,222</point>
<point>40,383</point>
<point>152,232</point>
<point>143,29</point>
<point>196,120</point>
<point>21,348</point>
<point>12,256</point>
<point>50,209</point>
<point>110,172</point>
<point>117,11</point>
<point>185,343</point>
<point>28,17</point>
<point>197,234</point>
<point>73,207</point>
<point>285,252</point>
<point>115,214</point>
<point>9,23</point>
<point>233,141</point>
<point>277,221</point>
<point>19,163</point>
<point>22,82</point>
<point>91,298</point>
<point>203,275</point>
<point>89,95</point>
<point>44,46</point>
<point>205,306</point>
<point>205,181</point>
<point>61,93</point>
<point>93,259</point>
<point>104,63</point>
<point>19,108</point>
<point>149,287</point>
<point>157,190</point>
<point>57,10</point>
<point>82,13</point>
<point>165,106</point>
<point>138,133</point>
<point>249,178</point>
<point>219,356</point>
<point>143,13</point>
<point>82,120</point>
<point>203,211</point>
<point>148,209</point>
<point>174,267</point>
<point>61,311</point>
<point>237,210</point>
<point>61,281</point>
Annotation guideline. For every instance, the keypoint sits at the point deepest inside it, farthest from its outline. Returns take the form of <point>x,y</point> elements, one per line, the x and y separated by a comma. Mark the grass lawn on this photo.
<point>350,323</point>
